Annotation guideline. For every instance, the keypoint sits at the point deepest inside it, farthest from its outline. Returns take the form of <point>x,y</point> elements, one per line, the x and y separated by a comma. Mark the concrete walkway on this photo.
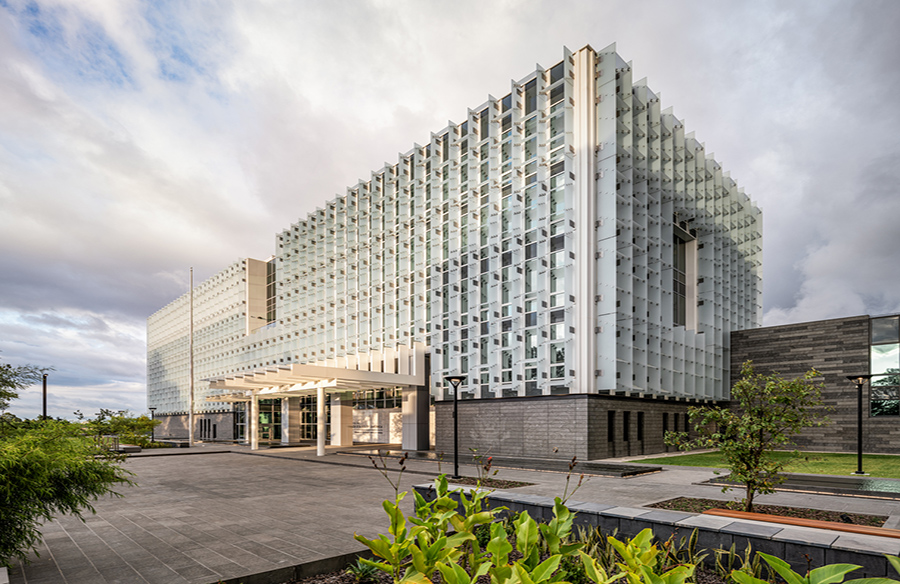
<point>217,512</point>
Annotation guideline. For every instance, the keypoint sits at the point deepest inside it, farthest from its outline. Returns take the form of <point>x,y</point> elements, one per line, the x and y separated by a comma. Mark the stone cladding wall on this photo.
<point>558,426</point>
<point>836,348</point>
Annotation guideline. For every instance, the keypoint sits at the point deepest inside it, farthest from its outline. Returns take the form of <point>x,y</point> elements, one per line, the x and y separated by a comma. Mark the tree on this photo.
<point>770,412</point>
<point>15,379</point>
<point>47,468</point>
<point>129,428</point>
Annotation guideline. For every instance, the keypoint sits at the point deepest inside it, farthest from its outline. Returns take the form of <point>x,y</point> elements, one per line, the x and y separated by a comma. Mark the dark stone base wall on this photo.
<point>836,348</point>
<point>557,426</point>
<point>175,426</point>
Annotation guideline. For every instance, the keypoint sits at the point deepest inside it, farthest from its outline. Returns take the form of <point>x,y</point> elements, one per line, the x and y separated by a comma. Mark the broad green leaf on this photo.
<point>458,539</point>
<point>545,569</point>
<point>831,574</point>
<point>383,566</point>
<point>522,573</point>
<point>526,533</point>
<point>414,577</point>
<point>895,562</point>
<point>784,569</point>
<point>745,578</point>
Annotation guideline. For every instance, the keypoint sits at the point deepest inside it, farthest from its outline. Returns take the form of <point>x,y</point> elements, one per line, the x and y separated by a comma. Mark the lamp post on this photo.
<point>455,380</point>
<point>44,417</point>
<point>859,380</point>
<point>152,424</point>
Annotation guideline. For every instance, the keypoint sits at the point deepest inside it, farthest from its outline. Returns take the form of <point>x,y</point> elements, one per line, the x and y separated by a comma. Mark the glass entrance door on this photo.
<point>270,420</point>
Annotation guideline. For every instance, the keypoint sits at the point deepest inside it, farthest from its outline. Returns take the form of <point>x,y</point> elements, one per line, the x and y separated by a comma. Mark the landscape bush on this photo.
<point>47,468</point>
<point>445,536</point>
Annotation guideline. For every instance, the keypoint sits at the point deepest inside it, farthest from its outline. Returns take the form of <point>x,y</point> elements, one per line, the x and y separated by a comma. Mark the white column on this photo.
<point>342,419</point>
<point>253,422</point>
<point>286,428</point>
<point>415,418</point>
<point>320,421</point>
<point>585,137</point>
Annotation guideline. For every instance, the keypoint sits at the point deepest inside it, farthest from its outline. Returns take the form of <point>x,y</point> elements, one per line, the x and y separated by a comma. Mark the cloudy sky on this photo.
<point>140,138</point>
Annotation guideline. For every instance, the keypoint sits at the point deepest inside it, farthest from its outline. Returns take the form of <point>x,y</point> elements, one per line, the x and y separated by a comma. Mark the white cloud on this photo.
<point>139,139</point>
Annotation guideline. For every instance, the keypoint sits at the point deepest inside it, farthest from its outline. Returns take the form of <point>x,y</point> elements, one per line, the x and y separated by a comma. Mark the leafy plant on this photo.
<point>383,469</point>
<point>830,574</point>
<point>362,572</point>
<point>598,547</point>
<point>566,494</point>
<point>14,379</point>
<point>771,411</point>
<point>681,551</point>
<point>49,468</point>
<point>727,561</point>
<point>483,465</point>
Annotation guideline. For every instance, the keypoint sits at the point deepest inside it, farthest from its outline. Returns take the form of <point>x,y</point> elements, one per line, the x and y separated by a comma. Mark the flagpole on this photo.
<point>191,368</point>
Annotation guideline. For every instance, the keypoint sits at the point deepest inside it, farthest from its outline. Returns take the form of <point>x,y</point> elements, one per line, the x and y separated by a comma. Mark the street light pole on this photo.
<point>152,424</point>
<point>859,380</point>
<point>45,396</point>
<point>455,380</point>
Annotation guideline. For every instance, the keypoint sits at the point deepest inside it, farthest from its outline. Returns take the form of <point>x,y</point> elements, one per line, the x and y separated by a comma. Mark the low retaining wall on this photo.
<point>299,571</point>
<point>793,544</point>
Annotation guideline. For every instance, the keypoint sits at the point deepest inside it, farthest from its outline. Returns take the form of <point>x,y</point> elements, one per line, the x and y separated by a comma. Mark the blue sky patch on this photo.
<point>82,49</point>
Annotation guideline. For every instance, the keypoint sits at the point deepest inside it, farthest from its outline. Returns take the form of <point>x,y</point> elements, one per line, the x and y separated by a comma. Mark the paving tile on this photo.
<point>815,537</point>
<point>758,530</point>
<point>187,521</point>
<point>706,522</point>
<point>869,543</point>
<point>629,512</point>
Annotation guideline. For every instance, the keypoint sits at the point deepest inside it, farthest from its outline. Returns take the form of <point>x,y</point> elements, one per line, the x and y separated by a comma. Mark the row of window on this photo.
<point>679,422</point>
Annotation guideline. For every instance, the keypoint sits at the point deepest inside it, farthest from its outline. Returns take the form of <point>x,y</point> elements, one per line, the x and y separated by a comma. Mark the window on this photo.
<point>626,425</point>
<point>530,96</point>
<point>483,130</point>
<point>557,72</point>
<point>611,426</point>
<point>684,289</point>
<point>884,360</point>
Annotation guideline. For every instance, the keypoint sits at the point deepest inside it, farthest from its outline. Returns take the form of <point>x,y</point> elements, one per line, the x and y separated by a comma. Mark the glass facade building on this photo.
<point>569,238</point>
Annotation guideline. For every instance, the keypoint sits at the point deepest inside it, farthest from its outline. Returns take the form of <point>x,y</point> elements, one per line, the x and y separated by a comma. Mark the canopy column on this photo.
<point>320,421</point>
<point>415,418</point>
<point>253,422</point>
<point>342,419</point>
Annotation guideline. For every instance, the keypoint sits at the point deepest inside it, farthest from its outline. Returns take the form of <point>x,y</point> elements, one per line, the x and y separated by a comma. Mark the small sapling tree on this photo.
<point>770,412</point>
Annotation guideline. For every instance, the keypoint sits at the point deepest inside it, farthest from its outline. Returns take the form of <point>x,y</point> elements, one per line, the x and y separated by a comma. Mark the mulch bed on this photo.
<point>342,577</point>
<point>691,505</point>
<point>488,483</point>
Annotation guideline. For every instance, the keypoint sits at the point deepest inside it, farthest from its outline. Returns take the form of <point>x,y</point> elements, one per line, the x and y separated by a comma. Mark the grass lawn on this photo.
<point>877,465</point>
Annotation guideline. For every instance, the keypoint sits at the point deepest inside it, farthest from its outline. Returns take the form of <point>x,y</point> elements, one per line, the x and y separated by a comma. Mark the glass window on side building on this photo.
<point>884,365</point>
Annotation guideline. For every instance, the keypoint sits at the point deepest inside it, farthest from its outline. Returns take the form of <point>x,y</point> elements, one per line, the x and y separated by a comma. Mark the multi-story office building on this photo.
<point>568,247</point>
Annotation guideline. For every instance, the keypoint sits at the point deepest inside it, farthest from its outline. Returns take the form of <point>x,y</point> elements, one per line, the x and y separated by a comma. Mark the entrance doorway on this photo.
<point>269,420</point>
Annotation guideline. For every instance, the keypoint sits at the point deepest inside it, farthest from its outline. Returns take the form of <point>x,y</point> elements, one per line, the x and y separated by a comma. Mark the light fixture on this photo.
<point>859,380</point>
<point>455,380</point>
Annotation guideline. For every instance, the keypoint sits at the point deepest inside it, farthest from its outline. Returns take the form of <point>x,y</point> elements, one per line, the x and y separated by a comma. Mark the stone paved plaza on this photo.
<point>203,517</point>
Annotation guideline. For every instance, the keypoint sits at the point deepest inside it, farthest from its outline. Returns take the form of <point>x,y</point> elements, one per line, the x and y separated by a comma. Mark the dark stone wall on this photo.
<point>175,426</point>
<point>836,348</point>
<point>557,426</point>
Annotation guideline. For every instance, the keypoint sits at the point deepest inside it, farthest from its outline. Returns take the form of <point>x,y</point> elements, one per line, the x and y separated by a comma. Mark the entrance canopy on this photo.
<point>400,367</point>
